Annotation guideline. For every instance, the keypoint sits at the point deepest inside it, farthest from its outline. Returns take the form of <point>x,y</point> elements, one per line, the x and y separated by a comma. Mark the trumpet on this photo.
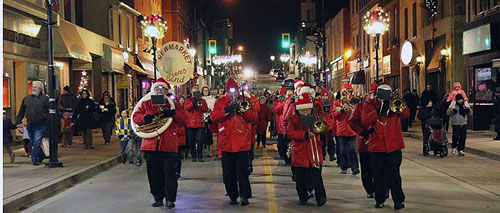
<point>345,98</point>
<point>397,103</point>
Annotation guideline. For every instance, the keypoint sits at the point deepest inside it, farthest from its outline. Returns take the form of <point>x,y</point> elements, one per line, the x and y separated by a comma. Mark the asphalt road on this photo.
<point>430,185</point>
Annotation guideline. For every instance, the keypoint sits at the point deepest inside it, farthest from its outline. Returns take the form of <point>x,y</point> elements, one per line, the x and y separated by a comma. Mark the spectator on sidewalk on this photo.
<point>67,130</point>
<point>84,117</point>
<point>457,89</point>
<point>459,109</point>
<point>496,110</point>
<point>107,112</point>
<point>8,141</point>
<point>412,103</point>
<point>428,101</point>
<point>442,108</point>
<point>67,101</point>
<point>124,133</point>
<point>35,108</point>
<point>26,138</point>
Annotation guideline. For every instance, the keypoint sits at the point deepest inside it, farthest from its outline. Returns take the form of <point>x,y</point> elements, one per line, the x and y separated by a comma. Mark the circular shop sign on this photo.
<point>175,63</point>
<point>407,53</point>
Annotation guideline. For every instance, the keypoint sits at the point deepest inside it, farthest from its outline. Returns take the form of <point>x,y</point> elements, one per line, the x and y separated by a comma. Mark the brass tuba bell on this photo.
<point>244,106</point>
<point>319,127</point>
<point>397,103</point>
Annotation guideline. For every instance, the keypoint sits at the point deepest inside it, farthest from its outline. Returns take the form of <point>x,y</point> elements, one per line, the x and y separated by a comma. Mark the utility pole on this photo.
<point>53,162</point>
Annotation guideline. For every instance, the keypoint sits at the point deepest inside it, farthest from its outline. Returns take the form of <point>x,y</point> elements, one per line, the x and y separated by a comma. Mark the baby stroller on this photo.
<point>438,140</point>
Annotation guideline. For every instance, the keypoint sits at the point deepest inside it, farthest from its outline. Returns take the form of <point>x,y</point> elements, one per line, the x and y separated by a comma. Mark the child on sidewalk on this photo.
<point>66,130</point>
<point>7,136</point>
<point>26,138</point>
<point>124,132</point>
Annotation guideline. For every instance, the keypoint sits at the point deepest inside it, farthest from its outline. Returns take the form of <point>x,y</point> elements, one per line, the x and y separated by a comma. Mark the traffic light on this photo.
<point>212,46</point>
<point>285,40</point>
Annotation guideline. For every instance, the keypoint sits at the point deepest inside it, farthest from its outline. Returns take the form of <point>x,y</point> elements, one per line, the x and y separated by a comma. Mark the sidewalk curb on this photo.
<point>22,200</point>
<point>483,153</point>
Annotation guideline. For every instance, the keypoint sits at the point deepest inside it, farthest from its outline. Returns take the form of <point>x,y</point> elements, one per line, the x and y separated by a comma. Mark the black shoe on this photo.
<point>233,202</point>
<point>370,195</point>
<point>302,202</point>
<point>194,160</point>
<point>36,163</point>
<point>332,158</point>
<point>379,205</point>
<point>157,203</point>
<point>321,202</point>
<point>250,170</point>
<point>496,139</point>
<point>398,206</point>
<point>124,160</point>
<point>170,204</point>
<point>294,179</point>
<point>201,160</point>
<point>244,202</point>
<point>355,171</point>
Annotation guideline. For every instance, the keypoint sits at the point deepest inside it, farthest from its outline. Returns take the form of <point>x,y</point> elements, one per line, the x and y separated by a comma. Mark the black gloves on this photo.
<point>148,118</point>
<point>194,102</point>
<point>169,113</point>
<point>385,107</point>
<point>366,133</point>
<point>306,136</point>
<point>455,111</point>
<point>231,107</point>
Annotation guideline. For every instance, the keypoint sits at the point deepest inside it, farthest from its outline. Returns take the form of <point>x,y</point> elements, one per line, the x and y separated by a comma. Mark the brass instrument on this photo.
<point>158,121</point>
<point>314,149</point>
<point>159,124</point>
<point>319,126</point>
<point>345,99</point>
<point>244,106</point>
<point>397,103</point>
<point>199,103</point>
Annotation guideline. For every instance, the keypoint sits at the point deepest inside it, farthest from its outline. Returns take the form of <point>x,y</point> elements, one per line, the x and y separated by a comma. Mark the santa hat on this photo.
<point>373,88</point>
<point>347,86</point>
<point>304,102</point>
<point>306,88</point>
<point>324,92</point>
<point>297,84</point>
<point>283,91</point>
<point>231,83</point>
<point>161,82</point>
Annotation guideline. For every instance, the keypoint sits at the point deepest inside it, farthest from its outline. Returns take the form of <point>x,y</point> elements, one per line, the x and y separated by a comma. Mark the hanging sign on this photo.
<point>175,63</point>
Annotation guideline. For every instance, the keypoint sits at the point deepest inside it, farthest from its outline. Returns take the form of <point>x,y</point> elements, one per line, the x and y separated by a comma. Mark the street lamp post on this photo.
<point>376,23</point>
<point>154,27</point>
<point>53,162</point>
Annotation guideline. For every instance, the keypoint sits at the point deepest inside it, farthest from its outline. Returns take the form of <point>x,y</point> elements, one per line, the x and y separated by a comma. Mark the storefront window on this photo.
<point>484,85</point>
<point>6,92</point>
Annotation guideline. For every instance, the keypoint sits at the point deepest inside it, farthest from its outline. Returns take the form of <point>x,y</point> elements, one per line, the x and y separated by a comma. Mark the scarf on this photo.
<point>461,109</point>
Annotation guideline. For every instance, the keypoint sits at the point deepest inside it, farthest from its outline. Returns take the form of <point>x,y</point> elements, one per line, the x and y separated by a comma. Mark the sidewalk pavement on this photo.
<point>25,184</point>
<point>478,142</point>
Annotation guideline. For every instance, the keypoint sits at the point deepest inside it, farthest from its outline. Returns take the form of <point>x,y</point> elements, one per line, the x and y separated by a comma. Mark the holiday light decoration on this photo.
<point>154,26</point>
<point>376,22</point>
<point>227,59</point>
<point>431,6</point>
<point>84,81</point>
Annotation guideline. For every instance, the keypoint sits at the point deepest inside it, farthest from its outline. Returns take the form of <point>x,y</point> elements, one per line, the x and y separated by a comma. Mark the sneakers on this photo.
<point>461,153</point>
<point>355,171</point>
<point>170,204</point>
<point>344,171</point>
<point>453,151</point>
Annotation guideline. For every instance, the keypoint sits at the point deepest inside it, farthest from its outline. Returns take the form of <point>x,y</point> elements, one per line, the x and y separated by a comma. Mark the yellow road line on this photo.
<point>269,184</point>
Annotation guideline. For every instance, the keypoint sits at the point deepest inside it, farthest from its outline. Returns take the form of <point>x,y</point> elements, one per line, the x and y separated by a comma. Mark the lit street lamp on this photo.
<point>272,58</point>
<point>247,73</point>
<point>154,27</point>
<point>284,58</point>
<point>376,23</point>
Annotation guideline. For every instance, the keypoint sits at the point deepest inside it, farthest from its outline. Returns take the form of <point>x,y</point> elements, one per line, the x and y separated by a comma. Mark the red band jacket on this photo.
<point>264,118</point>
<point>195,113</point>
<point>304,152</point>
<point>278,106</point>
<point>356,126</point>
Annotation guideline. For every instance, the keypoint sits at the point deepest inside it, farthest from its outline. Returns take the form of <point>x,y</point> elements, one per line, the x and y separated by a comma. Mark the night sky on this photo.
<point>258,25</point>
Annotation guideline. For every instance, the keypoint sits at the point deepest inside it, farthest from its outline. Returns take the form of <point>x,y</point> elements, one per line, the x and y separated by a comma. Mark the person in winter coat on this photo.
<point>126,137</point>
<point>68,100</point>
<point>362,145</point>
<point>35,108</point>
<point>161,152</point>
<point>428,102</point>
<point>210,99</point>
<point>458,111</point>
<point>348,157</point>
<point>278,108</point>
<point>264,118</point>
<point>107,112</point>
<point>195,107</point>
<point>84,118</point>
<point>457,89</point>
<point>307,157</point>
<point>235,130</point>
<point>411,103</point>
<point>8,126</point>
<point>327,142</point>
<point>181,139</point>
<point>385,143</point>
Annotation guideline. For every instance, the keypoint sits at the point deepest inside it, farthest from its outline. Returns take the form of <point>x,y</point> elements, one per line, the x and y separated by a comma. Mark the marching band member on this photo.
<point>328,144</point>
<point>264,118</point>
<point>161,152</point>
<point>288,111</point>
<point>234,141</point>
<point>278,106</point>
<point>195,107</point>
<point>306,153</point>
<point>384,144</point>
<point>362,144</point>
<point>348,158</point>
<point>209,139</point>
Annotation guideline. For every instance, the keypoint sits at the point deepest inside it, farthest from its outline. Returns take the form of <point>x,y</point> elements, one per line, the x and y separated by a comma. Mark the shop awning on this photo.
<point>358,77</point>
<point>147,65</point>
<point>69,44</point>
<point>113,60</point>
<point>135,67</point>
<point>434,64</point>
<point>496,62</point>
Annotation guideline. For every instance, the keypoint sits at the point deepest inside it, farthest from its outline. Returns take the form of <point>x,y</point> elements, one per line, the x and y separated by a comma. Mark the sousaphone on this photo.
<point>157,126</point>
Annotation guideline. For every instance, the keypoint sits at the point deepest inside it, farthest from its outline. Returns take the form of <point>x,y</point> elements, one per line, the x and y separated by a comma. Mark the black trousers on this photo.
<point>107,130</point>
<point>235,174</point>
<point>459,136</point>
<point>413,113</point>
<point>281,146</point>
<point>386,174</point>
<point>497,125</point>
<point>195,138</point>
<point>261,138</point>
<point>366,172</point>
<point>426,133</point>
<point>327,144</point>
<point>161,174</point>
<point>307,178</point>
